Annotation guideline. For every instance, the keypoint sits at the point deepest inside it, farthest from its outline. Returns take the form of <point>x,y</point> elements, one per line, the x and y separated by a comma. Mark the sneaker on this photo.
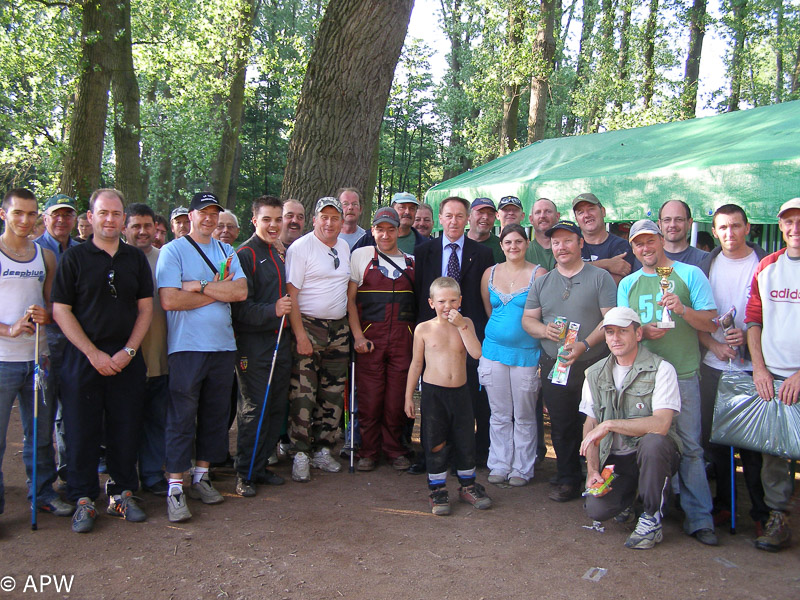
<point>301,471</point>
<point>57,507</point>
<point>626,515</point>
<point>517,481</point>
<point>177,510</point>
<point>647,533</point>
<point>85,514</point>
<point>205,492</point>
<point>440,502</point>
<point>324,461</point>
<point>497,479</point>
<point>245,488</point>
<point>475,495</point>
<point>124,505</point>
<point>271,478</point>
<point>706,536</point>
<point>366,464</point>
<point>401,463</point>
<point>159,488</point>
<point>776,534</point>
<point>282,450</point>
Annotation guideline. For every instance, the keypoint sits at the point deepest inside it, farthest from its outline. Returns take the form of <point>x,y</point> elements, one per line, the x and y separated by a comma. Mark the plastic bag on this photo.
<point>743,420</point>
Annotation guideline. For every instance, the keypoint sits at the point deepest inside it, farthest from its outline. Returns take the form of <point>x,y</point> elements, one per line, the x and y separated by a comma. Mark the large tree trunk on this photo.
<point>343,98</point>
<point>623,55</point>
<point>233,105</point>
<point>544,49</point>
<point>81,173</point>
<point>691,76</point>
<point>125,96</point>
<point>584,55</point>
<point>779,52</point>
<point>650,30</point>
<point>511,89</point>
<point>602,70</point>
<point>794,83</point>
<point>739,10</point>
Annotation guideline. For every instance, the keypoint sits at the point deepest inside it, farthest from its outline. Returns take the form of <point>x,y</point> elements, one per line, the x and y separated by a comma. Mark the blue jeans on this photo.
<point>695,494</point>
<point>16,380</point>
<point>153,446</point>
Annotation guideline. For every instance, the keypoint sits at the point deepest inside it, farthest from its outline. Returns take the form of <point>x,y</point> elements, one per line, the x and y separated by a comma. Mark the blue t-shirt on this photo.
<point>506,341</point>
<point>208,328</point>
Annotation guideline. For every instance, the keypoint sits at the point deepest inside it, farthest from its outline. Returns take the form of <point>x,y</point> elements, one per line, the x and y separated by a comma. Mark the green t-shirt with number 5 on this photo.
<point>641,291</point>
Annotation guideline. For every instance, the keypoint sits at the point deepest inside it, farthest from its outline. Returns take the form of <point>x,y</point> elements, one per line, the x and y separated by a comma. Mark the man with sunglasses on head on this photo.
<point>103,302</point>
<point>317,274</point>
<point>579,293</point>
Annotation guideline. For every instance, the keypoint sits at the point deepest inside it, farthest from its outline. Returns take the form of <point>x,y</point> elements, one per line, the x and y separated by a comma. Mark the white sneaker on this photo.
<point>301,471</point>
<point>324,461</point>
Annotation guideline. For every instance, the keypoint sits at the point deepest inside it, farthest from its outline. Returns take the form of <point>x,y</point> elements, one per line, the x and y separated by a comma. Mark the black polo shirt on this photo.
<point>103,291</point>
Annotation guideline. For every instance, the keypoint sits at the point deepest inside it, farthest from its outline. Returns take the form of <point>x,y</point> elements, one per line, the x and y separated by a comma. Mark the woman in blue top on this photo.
<point>510,361</point>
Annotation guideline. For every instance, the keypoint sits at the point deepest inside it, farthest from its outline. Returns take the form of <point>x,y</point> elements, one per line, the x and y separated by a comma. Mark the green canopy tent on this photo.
<point>750,158</point>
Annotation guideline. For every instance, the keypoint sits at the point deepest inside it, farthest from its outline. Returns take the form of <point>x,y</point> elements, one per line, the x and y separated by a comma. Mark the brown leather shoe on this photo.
<point>564,493</point>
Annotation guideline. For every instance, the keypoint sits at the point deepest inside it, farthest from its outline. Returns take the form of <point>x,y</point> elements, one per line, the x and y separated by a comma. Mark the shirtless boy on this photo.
<point>442,343</point>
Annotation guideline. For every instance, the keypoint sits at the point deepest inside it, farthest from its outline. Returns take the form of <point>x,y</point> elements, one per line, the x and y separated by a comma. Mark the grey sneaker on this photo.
<point>85,514</point>
<point>57,507</point>
<point>301,470</point>
<point>647,533</point>
<point>205,492</point>
<point>324,461</point>
<point>245,488</point>
<point>626,515</point>
<point>475,495</point>
<point>177,510</point>
<point>124,505</point>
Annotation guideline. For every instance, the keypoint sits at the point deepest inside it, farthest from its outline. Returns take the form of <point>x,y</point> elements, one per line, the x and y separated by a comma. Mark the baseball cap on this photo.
<point>789,205</point>
<point>509,201</point>
<point>643,226</point>
<point>177,212</point>
<point>328,201</point>
<point>585,197</point>
<point>479,202</point>
<point>386,214</point>
<point>59,201</point>
<point>404,198</point>
<point>567,225</point>
<point>203,199</point>
<point>621,316</point>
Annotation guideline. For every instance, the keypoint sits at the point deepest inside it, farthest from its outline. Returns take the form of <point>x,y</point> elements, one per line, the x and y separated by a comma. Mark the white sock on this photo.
<point>198,473</point>
<point>175,486</point>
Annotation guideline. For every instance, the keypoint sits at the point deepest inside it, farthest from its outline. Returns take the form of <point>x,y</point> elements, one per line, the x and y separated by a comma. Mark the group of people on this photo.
<point>617,338</point>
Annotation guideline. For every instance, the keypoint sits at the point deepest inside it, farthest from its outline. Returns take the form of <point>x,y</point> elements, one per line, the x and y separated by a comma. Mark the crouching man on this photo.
<point>632,395</point>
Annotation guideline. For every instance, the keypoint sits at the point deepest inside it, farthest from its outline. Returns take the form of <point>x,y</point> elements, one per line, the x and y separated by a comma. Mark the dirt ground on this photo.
<point>371,536</point>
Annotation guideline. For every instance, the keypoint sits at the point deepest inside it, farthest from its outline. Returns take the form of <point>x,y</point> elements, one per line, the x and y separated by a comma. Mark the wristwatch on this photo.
<point>131,352</point>
<point>203,284</point>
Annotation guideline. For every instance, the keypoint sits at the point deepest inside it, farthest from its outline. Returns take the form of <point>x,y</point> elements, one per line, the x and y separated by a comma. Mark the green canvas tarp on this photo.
<point>749,157</point>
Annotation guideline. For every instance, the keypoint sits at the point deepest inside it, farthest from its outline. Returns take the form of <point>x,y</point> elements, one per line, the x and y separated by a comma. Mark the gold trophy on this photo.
<point>666,321</point>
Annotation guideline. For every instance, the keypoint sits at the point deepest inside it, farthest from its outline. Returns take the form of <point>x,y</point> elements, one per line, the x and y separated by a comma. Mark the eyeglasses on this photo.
<point>335,256</point>
<point>111,283</point>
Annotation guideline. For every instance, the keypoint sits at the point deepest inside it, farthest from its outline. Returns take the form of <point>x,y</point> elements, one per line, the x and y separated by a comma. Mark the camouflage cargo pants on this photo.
<point>316,390</point>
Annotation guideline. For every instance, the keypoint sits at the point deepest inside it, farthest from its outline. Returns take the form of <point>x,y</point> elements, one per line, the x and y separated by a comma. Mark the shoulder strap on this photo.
<point>203,254</point>
<point>395,265</point>
<point>533,274</point>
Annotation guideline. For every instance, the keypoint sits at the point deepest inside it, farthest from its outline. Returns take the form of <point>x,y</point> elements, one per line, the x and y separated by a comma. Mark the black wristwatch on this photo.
<point>203,284</point>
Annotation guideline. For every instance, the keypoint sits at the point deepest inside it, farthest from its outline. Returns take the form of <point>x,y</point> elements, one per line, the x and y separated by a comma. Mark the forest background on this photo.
<point>295,98</point>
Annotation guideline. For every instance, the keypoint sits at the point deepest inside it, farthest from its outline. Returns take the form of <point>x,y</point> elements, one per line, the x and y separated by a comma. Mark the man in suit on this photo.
<point>455,255</point>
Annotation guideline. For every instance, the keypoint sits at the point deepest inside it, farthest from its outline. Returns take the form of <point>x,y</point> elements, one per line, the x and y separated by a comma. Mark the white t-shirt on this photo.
<point>665,395</point>
<point>730,282</point>
<point>311,268</point>
<point>362,257</point>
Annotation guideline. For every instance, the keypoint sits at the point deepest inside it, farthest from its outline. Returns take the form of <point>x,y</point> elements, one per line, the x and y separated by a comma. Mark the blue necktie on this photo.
<point>453,268</point>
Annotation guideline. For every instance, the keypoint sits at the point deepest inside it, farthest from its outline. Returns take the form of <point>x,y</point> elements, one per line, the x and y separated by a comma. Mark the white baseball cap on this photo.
<point>621,316</point>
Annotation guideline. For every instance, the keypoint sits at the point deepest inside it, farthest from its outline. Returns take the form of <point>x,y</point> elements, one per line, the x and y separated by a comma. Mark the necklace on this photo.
<point>27,250</point>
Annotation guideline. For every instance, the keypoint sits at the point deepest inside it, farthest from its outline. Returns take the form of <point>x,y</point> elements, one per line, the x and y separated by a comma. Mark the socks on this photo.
<point>175,486</point>
<point>198,473</point>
